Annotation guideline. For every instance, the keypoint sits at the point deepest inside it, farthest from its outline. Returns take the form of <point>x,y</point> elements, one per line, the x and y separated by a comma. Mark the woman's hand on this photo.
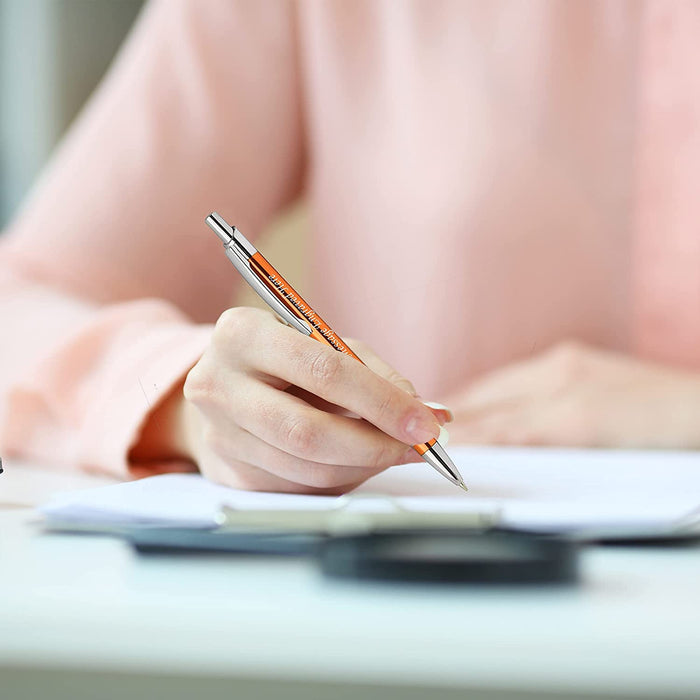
<point>574,395</point>
<point>267,408</point>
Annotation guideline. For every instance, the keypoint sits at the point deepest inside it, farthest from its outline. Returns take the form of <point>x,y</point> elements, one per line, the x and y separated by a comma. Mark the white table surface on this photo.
<point>86,607</point>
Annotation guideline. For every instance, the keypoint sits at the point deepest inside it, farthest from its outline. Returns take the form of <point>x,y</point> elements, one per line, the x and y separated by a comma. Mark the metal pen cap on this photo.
<point>230,235</point>
<point>239,250</point>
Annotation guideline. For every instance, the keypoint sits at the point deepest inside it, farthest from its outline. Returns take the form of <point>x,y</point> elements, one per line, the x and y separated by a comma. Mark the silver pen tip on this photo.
<point>462,485</point>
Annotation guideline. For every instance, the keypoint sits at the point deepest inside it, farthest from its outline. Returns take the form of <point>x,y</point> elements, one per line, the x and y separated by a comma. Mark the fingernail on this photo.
<point>422,429</point>
<point>444,436</point>
<point>440,407</point>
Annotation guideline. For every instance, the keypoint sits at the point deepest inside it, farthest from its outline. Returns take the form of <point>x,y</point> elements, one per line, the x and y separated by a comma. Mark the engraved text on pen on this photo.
<point>308,313</point>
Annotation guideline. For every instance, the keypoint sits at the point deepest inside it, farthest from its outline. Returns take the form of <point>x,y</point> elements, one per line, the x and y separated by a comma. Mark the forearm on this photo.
<point>78,380</point>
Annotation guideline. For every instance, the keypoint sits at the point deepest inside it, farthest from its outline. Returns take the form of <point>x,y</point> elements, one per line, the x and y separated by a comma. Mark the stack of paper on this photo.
<point>534,489</point>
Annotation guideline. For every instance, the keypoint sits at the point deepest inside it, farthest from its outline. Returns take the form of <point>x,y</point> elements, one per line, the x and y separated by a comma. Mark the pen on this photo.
<point>280,296</point>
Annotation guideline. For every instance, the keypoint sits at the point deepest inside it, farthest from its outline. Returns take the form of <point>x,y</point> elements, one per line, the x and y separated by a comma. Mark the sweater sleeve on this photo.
<point>109,280</point>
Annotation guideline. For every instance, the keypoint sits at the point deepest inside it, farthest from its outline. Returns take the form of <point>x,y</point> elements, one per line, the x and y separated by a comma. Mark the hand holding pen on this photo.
<point>279,411</point>
<point>267,411</point>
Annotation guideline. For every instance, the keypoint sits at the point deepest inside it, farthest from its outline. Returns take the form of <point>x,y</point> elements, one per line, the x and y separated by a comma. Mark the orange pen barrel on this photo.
<point>422,449</point>
<point>320,330</point>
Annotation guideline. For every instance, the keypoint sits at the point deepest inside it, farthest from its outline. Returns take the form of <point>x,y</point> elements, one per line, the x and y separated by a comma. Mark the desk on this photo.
<point>84,617</point>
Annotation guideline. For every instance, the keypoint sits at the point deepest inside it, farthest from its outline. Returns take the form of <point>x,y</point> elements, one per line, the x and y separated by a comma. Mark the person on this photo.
<point>503,206</point>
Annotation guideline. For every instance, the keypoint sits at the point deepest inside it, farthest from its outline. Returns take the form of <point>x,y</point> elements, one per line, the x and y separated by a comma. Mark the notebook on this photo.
<point>534,489</point>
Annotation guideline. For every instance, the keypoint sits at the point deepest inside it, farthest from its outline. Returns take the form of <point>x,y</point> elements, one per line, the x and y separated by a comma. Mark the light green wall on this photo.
<point>52,54</point>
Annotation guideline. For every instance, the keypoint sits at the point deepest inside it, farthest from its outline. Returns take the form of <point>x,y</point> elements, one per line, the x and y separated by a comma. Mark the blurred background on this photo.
<point>52,54</point>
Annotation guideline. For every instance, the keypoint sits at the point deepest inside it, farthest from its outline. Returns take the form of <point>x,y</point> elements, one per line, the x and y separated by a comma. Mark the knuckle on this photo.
<point>228,320</point>
<point>299,435</point>
<point>237,323</point>
<point>200,385</point>
<point>325,366</point>
<point>385,406</point>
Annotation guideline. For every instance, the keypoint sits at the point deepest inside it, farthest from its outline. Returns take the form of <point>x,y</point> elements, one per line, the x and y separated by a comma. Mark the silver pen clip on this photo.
<point>239,250</point>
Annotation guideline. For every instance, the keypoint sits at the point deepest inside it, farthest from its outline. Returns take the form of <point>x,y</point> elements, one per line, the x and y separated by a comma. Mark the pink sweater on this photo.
<point>487,178</point>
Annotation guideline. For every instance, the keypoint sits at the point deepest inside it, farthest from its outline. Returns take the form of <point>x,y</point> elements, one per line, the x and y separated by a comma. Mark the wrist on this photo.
<point>163,436</point>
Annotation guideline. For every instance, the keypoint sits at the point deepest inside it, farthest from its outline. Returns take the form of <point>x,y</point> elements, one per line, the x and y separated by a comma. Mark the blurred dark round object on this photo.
<point>451,557</point>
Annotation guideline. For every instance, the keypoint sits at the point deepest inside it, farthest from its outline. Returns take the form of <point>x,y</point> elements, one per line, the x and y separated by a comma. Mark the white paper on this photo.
<point>538,489</point>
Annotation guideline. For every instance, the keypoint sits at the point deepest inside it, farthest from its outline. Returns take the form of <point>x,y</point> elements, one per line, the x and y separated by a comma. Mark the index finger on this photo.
<point>344,381</point>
